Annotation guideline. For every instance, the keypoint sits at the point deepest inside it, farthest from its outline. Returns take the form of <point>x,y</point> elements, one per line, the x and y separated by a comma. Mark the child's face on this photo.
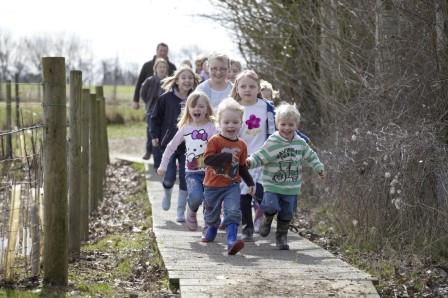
<point>233,72</point>
<point>230,123</point>
<point>266,93</point>
<point>162,70</point>
<point>247,89</point>
<point>185,82</point>
<point>287,127</point>
<point>218,70</point>
<point>199,112</point>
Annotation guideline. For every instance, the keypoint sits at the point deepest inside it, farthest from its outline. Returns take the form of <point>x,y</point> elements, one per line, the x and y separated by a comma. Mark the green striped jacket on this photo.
<point>282,162</point>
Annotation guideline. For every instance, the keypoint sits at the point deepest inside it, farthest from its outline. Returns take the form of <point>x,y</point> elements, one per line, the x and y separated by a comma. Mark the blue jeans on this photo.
<point>214,197</point>
<point>195,189</point>
<point>284,205</point>
<point>170,175</point>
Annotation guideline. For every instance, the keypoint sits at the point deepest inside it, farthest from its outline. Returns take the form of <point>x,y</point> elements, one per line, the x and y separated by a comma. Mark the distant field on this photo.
<point>32,113</point>
<point>33,92</point>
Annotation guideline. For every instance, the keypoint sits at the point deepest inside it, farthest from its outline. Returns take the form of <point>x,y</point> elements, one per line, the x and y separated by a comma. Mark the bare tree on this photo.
<point>6,48</point>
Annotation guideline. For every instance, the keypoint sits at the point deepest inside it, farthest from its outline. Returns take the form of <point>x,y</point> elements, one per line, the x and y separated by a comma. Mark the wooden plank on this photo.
<point>260,269</point>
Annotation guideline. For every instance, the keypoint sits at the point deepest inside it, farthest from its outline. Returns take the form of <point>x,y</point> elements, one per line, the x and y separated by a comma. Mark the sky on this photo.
<point>127,29</point>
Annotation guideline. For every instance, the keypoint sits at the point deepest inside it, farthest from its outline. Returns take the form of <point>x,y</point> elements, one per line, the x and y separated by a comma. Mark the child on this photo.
<point>164,127</point>
<point>225,160</point>
<point>267,91</point>
<point>217,87</point>
<point>258,124</point>
<point>281,158</point>
<point>149,92</point>
<point>235,69</point>
<point>195,128</point>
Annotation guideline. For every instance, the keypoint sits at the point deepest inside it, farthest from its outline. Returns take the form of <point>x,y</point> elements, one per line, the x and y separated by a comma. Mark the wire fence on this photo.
<point>25,232</point>
<point>21,183</point>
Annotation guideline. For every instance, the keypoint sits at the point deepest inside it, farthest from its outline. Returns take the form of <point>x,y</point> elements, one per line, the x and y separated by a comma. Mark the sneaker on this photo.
<point>191,222</point>
<point>247,236</point>
<point>146,156</point>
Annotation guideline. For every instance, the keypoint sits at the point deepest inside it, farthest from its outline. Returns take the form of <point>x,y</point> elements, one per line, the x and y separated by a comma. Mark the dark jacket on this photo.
<point>150,91</point>
<point>147,71</point>
<point>164,119</point>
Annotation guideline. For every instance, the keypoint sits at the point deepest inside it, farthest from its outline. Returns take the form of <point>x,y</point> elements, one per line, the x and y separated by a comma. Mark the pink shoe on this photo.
<point>191,221</point>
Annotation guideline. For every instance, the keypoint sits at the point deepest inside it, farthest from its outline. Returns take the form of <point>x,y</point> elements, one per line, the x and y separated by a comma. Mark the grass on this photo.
<point>132,130</point>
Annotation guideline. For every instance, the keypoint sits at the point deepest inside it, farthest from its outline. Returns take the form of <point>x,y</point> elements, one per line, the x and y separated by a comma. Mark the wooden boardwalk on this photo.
<point>205,270</point>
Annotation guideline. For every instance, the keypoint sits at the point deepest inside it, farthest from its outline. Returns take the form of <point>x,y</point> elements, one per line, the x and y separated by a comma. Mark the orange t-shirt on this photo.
<point>229,156</point>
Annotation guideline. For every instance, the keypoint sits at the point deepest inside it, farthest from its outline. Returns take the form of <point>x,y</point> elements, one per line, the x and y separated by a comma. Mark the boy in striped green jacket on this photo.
<point>282,157</point>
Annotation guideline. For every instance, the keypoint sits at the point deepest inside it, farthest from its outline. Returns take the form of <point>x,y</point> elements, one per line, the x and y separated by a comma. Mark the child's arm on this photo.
<point>169,150</point>
<point>244,171</point>
<point>213,157</point>
<point>260,157</point>
<point>312,159</point>
<point>156,121</point>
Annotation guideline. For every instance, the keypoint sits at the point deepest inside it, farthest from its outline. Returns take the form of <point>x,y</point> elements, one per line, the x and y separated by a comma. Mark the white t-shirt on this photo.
<point>253,132</point>
<point>215,96</point>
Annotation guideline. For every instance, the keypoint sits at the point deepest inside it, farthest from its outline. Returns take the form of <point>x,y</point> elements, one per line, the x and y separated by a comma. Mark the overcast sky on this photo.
<point>130,29</point>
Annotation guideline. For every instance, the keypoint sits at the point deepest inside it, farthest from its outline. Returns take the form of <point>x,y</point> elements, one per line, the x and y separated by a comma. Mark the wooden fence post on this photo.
<point>16,83</point>
<point>93,161</point>
<point>102,142</point>
<point>55,172</point>
<point>74,164</point>
<point>84,190</point>
<point>8,119</point>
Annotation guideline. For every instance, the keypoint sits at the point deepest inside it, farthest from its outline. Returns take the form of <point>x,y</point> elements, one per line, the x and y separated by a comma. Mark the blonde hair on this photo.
<point>266,85</point>
<point>170,82</point>
<point>219,57</point>
<point>192,101</point>
<point>287,111</point>
<point>245,73</point>
<point>157,62</point>
<point>229,104</point>
<point>186,63</point>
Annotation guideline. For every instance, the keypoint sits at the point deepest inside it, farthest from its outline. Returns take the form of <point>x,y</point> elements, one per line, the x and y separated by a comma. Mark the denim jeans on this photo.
<point>229,196</point>
<point>195,189</point>
<point>171,171</point>
<point>284,205</point>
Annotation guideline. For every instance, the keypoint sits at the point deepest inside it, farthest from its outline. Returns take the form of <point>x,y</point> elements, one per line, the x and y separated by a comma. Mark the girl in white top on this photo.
<point>258,124</point>
<point>217,87</point>
<point>196,127</point>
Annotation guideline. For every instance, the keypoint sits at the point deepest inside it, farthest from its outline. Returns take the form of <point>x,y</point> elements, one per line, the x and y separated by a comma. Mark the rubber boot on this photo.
<point>210,234</point>
<point>166,201</point>
<point>233,244</point>
<point>265,227</point>
<point>281,236</point>
<point>181,204</point>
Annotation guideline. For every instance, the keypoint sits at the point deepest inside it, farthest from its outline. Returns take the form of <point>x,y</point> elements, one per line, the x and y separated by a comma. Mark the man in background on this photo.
<point>147,71</point>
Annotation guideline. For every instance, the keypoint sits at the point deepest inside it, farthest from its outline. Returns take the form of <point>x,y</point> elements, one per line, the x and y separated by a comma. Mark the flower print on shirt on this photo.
<point>197,141</point>
<point>253,125</point>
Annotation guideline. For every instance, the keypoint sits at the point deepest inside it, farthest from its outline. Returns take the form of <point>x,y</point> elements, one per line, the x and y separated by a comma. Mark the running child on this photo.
<point>225,160</point>
<point>196,127</point>
<point>163,128</point>
<point>281,159</point>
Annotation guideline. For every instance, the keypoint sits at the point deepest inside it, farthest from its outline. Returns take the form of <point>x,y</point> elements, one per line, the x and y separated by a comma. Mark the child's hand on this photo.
<point>248,163</point>
<point>161,172</point>
<point>322,174</point>
<point>252,190</point>
<point>155,142</point>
